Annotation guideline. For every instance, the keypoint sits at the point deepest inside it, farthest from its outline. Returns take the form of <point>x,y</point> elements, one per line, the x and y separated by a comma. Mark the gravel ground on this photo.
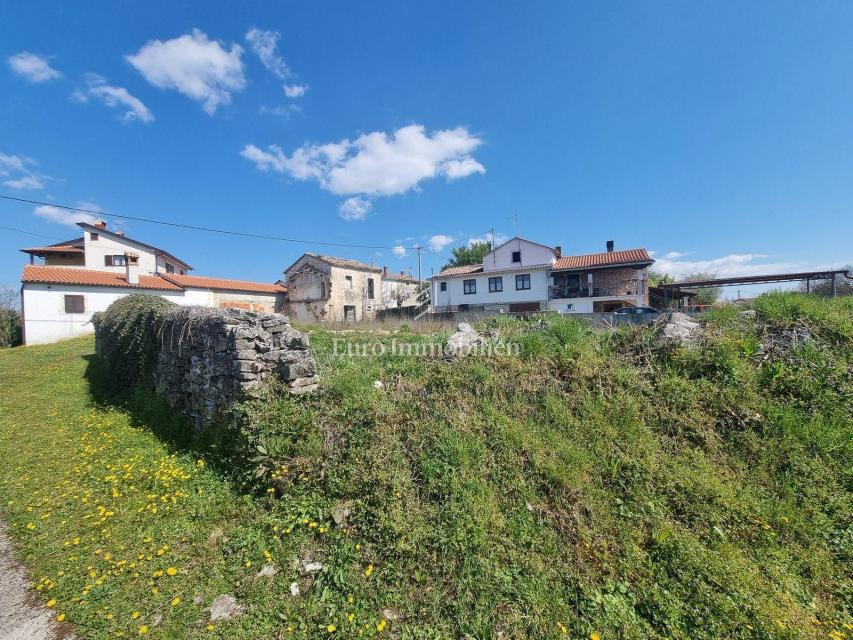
<point>22,615</point>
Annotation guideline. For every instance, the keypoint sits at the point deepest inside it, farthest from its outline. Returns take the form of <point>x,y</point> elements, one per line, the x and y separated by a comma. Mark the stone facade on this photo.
<point>208,357</point>
<point>328,289</point>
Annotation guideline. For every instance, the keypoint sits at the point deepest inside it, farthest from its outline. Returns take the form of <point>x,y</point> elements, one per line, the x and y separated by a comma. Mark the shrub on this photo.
<point>10,328</point>
<point>127,337</point>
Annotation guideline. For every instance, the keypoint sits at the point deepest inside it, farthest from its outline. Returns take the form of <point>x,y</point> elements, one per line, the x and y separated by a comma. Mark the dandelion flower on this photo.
<point>143,629</point>
<point>248,563</point>
<point>210,627</point>
<point>594,636</point>
<point>331,628</point>
<point>60,617</point>
<point>135,615</point>
<point>51,602</point>
<point>175,601</point>
<point>172,571</point>
<point>369,570</point>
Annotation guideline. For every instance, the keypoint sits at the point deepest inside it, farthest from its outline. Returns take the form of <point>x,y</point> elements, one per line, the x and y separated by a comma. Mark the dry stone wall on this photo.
<point>209,357</point>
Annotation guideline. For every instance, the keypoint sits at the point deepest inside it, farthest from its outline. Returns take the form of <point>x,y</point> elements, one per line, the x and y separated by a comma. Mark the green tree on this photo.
<point>656,278</point>
<point>704,295</point>
<point>10,318</point>
<point>468,254</point>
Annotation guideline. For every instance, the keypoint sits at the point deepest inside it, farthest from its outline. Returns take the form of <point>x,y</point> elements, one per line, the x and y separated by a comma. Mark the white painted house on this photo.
<point>82,276</point>
<point>524,276</point>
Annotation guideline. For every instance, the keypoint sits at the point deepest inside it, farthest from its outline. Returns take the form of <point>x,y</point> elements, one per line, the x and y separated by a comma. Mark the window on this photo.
<point>349,313</point>
<point>170,268</point>
<point>442,286</point>
<point>522,281</point>
<point>370,288</point>
<point>496,284</point>
<point>349,281</point>
<point>516,256</point>
<point>469,286</point>
<point>74,304</point>
<point>114,261</point>
<point>182,272</point>
<point>93,236</point>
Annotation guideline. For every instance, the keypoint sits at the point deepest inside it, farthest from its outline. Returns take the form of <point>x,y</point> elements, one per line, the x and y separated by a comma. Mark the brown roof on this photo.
<point>399,277</point>
<point>464,269</point>
<point>344,262</point>
<point>605,259</point>
<point>222,284</point>
<point>61,248</point>
<point>88,277</point>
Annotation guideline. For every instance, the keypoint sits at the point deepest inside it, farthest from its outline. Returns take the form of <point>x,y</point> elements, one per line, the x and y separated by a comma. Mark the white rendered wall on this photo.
<point>455,296</point>
<point>45,319</point>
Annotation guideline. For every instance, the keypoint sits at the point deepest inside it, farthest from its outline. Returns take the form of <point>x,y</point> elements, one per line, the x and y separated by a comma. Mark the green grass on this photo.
<point>596,484</point>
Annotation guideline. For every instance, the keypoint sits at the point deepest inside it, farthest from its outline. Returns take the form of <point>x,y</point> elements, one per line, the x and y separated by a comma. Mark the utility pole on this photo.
<point>418,249</point>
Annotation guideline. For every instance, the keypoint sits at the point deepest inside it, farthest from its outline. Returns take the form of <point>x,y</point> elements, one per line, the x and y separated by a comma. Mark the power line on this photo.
<point>179,225</point>
<point>30,233</point>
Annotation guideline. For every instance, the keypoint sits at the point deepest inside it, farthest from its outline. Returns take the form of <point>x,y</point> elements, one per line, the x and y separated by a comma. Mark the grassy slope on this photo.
<point>591,486</point>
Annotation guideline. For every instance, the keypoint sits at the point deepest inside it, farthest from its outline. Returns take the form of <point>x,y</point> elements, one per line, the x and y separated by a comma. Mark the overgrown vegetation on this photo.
<point>10,317</point>
<point>597,486</point>
<point>129,337</point>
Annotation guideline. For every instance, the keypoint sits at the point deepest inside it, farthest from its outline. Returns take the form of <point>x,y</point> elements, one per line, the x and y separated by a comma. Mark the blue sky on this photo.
<point>719,136</point>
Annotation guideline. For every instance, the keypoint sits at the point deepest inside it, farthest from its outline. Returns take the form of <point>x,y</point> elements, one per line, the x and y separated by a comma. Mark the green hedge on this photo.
<point>128,336</point>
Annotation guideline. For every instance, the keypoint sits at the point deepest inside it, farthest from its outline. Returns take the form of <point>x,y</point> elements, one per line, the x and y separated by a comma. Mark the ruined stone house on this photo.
<point>329,289</point>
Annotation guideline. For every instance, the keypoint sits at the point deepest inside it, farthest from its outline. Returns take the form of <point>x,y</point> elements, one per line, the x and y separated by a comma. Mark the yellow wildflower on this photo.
<point>331,628</point>
<point>369,570</point>
<point>594,636</point>
<point>210,627</point>
<point>51,602</point>
<point>172,571</point>
<point>143,629</point>
<point>60,617</point>
<point>135,615</point>
<point>175,601</point>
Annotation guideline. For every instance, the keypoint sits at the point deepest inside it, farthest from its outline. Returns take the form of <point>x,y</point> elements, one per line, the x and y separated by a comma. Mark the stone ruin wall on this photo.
<point>209,357</point>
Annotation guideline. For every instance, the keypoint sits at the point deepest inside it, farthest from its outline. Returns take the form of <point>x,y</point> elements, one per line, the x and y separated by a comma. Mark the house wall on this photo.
<point>396,294</point>
<point>45,319</point>
<point>109,245</point>
<point>454,296</point>
<point>627,285</point>
<point>66,260</point>
<point>532,254</point>
<point>261,302</point>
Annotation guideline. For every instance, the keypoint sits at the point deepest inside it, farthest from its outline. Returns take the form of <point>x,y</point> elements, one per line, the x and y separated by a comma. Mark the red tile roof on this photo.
<point>161,282</point>
<point>606,259</point>
<point>222,284</point>
<point>62,248</point>
<point>88,277</point>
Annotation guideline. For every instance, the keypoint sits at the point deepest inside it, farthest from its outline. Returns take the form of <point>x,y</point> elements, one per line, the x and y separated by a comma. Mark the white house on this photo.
<point>82,276</point>
<point>522,276</point>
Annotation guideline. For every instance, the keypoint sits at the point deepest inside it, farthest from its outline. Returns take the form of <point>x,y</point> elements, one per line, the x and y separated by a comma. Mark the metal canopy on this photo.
<point>763,279</point>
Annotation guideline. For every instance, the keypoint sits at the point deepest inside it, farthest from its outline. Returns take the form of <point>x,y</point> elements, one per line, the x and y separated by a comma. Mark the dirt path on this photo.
<point>22,616</point>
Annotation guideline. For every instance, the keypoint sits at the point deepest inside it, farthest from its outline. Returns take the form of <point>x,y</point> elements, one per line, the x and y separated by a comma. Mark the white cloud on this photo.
<point>355,208</point>
<point>735,264</point>
<point>376,164</point>
<point>499,239</point>
<point>18,170</point>
<point>12,163</point>
<point>295,90</point>
<point>399,251</point>
<point>284,111</point>
<point>33,67</point>
<point>113,97</point>
<point>24,183</point>
<point>200,68</point>
<point>439,241</point>
<point>64,216</point>
<point>264,44</point>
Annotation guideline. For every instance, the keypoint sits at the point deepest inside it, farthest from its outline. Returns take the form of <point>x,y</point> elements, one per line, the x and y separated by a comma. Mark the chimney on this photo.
<point>101,224</point>
<point>559,251</point>
<point>610,246</point>
<point>384,272</point>
<point>131,268</point>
